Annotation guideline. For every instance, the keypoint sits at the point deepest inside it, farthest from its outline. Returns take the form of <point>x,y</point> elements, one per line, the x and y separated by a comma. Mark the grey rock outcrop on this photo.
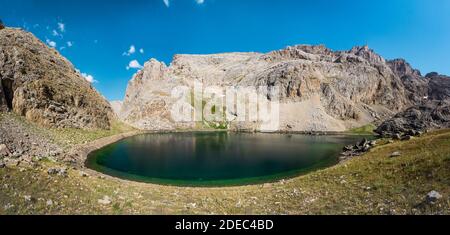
<point>439,87</point>
<point>40,84</point>
<point>321,89</point>
<point>417,119</point>
<point>358,149</point>
<point>431,111</point>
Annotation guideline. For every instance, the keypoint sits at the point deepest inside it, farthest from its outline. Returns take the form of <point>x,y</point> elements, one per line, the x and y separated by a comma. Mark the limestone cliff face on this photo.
<point>40,84</point>
<point>148,99</point>
<point>321,90</point>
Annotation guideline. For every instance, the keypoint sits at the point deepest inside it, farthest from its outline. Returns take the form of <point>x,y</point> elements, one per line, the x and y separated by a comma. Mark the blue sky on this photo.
<point>97,35</point>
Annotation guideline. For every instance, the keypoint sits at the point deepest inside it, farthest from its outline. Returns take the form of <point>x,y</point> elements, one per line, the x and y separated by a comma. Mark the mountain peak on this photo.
<point>368,54</point>
<point>402,68</point>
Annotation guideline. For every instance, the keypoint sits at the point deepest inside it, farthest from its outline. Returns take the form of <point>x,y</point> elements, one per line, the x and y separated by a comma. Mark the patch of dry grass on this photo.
<point>71,136</point>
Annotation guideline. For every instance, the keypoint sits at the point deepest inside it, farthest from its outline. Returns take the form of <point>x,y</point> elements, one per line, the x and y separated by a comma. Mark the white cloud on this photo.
<point>55,33</point>
<point>89,78</point>
<point>134,64</point>
<point>61,27</point>
<point>141,50</point>
<point>51,43</point>
<point>130,51</point>
<point>69,44</point>
<point>167,2</point>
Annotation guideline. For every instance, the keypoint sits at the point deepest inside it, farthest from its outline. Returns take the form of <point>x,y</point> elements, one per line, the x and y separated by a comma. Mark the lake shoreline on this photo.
<point>91,154</point>
<point>85,149</point>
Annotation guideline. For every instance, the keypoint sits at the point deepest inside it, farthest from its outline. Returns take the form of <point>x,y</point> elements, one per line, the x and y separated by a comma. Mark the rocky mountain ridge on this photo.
<point>321,89</point>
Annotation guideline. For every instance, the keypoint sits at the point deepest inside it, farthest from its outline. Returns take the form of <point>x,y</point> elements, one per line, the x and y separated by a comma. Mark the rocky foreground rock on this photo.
<point>41,85</point>
<point>321,89</point>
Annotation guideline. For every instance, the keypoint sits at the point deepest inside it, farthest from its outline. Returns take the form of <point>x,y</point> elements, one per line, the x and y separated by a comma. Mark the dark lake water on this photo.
<point>217,158</point>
